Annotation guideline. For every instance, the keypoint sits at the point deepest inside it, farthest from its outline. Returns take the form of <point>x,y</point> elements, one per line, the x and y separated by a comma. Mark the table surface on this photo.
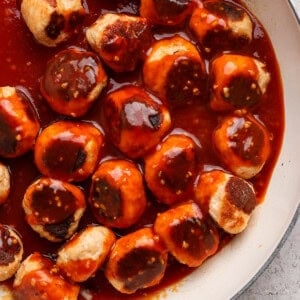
<point>281,279</point>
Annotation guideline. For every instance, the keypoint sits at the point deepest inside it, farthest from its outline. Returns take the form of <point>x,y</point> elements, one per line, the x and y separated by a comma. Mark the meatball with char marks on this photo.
<point>117,195</point>
<point>243,144</point>
<point>68,151</point>
<point>175,71</point>
<point>11,252</point>
<point>137,261</point>
<point>120,40</point>
<point>170,170</point>
<point>53,208</point>
<point>4,183</point>
<point>134,120</point>
<point>52,22</point>
<point>186,234</point>
<point>237,81</point>
<point>19,124</point>
<point>72,82</point>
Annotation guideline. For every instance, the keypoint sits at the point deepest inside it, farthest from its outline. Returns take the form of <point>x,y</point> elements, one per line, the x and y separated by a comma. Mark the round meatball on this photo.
<point>38,278</point>
<point>166,12</point>
<point>170,170</point>
<point>72,82</point>
<point>68,151</point>
<point>11,252</point>
<point>228,199</point>
<point>134,120</point>
<point>117,195</point>
<point>52,22</point>
<point>120,40</point>
<point>53,208</point>
<point>237,81</point>
<point>85,253</point>
<point>186,235</point>
<point>243,144</point>
<point>175,71</point>
<point>221,25</point>
<point>4,183</point>
<point>19,124</point>
<point>137,261</point>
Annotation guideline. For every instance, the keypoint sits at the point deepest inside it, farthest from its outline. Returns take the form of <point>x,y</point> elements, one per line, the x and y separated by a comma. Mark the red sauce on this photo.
<point>23,62</point>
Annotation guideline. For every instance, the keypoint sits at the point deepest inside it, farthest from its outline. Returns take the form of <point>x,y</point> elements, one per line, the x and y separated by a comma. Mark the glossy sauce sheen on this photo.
<point>23,63</point>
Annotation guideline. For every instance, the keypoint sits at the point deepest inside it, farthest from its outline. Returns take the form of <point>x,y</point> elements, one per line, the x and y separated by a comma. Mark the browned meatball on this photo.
<point>220,25</point>
<point>134,120</point>
<point>4,182</point>
<point>166,12</point>
<point>243,144</point>
<point>237,81</point>
<point>68,150</point>
<point>11,252</point>
<point>228,199</point>
<point>137,261</point>
<point>170,170</point>
<point>186,235</point>
<point>38,278</point>
<point>52,21</point>
<point>120,40</point>
<point>117,195</point>
<point>19,124</point>
<point>175,71</point>
<point>72,82</point>
<point>53,208</point>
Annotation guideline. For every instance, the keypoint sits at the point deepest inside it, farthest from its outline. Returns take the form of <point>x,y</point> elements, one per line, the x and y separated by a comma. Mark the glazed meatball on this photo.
<point>53,208</point>
<point>237,81</point>
<point>52,22</point>
<point>117,195</point>
<point>4,183</point>
<point>243,144</point>
<point>82,256</point>
<point>11,252</point>
<point>221,25</point>
<point>68,151</point>
<point>166,12</point>
<point>38,278</point>
<point>186,235</point>
<point>134,120</point>
<point>19,124</point>
<point>170,170</point>
<point>174,71</point>
<point>120,40</point>
<point>137,261</point>
<point>72,82</point>
<point>228,199</point>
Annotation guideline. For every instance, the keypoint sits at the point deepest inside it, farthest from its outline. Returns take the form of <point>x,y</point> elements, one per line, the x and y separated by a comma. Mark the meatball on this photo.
<point>221,25</point>
<point>19,124</point>
<point>120,40</point>
<point>166,12</point>
<point>228,199</point>
<point>137,261</point>
<point>134,120</point>
<point>237,81</point>
<point>68,151</point>
<point>38,278</point>
<point>72,82</point>
<point>186,235</point>
<point>53,208</point>
<point>11,252</point>
<point>175,71</point>
<point>52,22</point>
<point>243,144</point>
<point>117,195</point>
<point>170,170</point>
<point>82,256</point>
<point>4,183</point>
